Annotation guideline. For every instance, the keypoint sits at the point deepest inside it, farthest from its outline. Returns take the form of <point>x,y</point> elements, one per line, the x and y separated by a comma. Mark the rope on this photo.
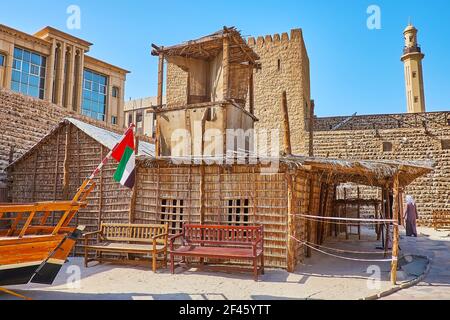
<point>348,219</point>
<point>348,251</point>
<point>343,223</point>
<point>341,257</point>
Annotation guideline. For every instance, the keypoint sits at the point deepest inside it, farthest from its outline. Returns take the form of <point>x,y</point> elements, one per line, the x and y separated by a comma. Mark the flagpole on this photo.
<point>102,164</point>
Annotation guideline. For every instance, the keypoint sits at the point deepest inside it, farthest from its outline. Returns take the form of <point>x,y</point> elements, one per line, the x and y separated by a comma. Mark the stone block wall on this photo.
<point>284,67</point>
<point>363,138</point>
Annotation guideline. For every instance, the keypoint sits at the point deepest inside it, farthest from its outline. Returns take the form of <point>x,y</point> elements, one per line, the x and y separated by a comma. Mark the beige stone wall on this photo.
<point>176,87</point>
<point>25,120</point>
<point>285,67</point>
<point>410,141</point>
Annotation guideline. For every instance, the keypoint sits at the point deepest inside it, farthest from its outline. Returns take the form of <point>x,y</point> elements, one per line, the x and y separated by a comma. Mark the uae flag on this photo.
<point>124,153</point>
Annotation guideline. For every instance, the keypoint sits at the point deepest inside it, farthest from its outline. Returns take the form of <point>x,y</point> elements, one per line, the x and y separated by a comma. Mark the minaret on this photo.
<point>412,59</point>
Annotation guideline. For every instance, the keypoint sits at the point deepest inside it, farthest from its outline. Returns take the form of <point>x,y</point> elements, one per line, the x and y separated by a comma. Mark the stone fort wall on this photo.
<point>416,137</point>
<point>284,67</point>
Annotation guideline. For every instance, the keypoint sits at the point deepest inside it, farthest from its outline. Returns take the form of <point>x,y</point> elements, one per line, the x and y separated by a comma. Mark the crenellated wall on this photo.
<point>284,67</point>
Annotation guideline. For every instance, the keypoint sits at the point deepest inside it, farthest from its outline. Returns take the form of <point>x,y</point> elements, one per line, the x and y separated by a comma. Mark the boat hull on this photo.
<point>37,259</point>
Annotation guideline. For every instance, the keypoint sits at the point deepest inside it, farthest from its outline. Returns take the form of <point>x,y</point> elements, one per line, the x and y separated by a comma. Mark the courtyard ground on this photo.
<point>436,284</point>
<point>320,277</point>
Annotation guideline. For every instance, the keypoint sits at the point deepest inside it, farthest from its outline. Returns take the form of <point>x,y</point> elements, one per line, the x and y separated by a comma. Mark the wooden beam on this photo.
<point>66,177</point>
<point>100,190</point>
<point>251,92</point>
<point>387,216</point>
<point>55,181</point>
<point>202,194</point>
<point>226,67</point>
<point>377,227</point>
<point>157,137</point>
<point>359,214</point>
<point>287,130</point>
<point>311,128</point>
<point>160,103</point>
<point>131,212</point>
<point>291,222</point>
<point>396,236</point>
<point>160,79</point>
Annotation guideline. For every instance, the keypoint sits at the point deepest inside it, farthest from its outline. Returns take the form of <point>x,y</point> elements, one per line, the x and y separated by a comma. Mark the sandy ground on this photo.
<point>436,285</point>
<point>320,277</point>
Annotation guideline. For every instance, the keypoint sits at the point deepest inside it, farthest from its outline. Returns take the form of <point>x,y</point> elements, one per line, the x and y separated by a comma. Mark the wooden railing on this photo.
<point>32,219</point>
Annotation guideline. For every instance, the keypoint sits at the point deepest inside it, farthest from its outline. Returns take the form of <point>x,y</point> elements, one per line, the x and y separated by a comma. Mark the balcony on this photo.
<point>416,49</point>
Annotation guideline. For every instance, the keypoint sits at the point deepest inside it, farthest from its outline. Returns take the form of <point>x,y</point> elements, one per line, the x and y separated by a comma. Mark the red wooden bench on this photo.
<point>221,243</point>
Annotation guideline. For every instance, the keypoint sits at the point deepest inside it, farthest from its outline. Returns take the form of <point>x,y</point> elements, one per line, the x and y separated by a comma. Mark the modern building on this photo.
<point>140,112</point>
<point>412,59</point>
<point>53,66</point>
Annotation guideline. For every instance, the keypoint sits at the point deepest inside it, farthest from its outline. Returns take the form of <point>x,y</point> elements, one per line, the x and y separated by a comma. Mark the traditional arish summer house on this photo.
<point>198,188</point>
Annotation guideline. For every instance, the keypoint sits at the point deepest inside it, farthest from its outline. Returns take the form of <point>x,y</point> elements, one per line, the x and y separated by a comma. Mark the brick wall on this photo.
<point>363,137</point>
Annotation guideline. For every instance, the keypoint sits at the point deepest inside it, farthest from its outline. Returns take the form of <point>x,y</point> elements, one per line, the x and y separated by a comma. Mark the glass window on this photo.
<point>28,76</point>
<point>18,53</point>
<point>114,120</point>
<point>94,95</point>
<point>2,60</point>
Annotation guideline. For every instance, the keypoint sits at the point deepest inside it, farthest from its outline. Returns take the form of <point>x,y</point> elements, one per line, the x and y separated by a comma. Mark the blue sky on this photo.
<point>353,69</point>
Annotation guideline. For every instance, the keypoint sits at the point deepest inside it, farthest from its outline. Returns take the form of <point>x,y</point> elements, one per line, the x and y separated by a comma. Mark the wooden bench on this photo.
<point>221,243</point>
<point>441,220</point>
<point>127,238</point>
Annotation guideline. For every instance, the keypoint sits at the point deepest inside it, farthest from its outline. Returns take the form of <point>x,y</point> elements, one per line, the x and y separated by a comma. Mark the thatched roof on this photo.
<point>107,138</point>
<point>210,46</point>
<point>374,173</point>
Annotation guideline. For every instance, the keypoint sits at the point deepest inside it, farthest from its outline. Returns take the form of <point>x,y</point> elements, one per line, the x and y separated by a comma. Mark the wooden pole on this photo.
<point>226,67</point>
<point>131,213</point>
<point>287,130</point>
<point>310,211</point>
<point>377,226</point>
<point>160,103</point>
<point>388,225</point>
<point>395,246</point>
<point>160,80</point>
<point>324,213</point>
<point>251,91</point>
<point>345,213</point>
<point>66,182</point>
<point>100,191</point>
<point>291,222</point>
<point>311,129</point>
<point>55,180</point>
<point>202,194</point>
<point>359,215</point>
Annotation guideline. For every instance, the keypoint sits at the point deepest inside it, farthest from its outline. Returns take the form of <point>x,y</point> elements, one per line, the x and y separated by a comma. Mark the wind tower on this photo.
<point>412,59</point>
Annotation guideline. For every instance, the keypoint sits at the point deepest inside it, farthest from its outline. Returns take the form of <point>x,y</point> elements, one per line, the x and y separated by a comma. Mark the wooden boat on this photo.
<point>39,237</point>
<point>35,242</point>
